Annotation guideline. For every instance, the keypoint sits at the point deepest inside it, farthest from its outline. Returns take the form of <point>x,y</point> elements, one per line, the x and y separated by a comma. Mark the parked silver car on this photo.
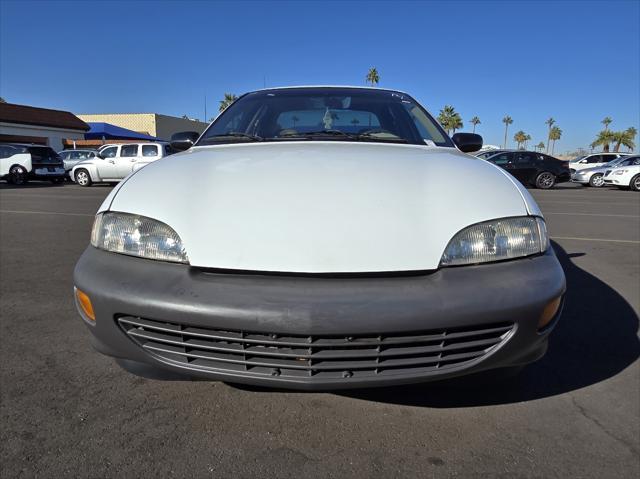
<point>72,157</point>
<point>595,176</point>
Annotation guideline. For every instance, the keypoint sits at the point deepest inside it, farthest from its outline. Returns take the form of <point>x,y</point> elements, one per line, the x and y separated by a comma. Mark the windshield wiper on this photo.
<point>374,136</point>
<point>232,134</point>
<point>319,133</point>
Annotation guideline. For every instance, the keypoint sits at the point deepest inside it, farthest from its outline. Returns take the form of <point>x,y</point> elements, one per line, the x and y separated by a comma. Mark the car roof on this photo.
<point>343,87</point>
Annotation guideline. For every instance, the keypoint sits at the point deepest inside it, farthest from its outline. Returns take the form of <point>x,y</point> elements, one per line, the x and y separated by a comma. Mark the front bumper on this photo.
<point>274,315</point>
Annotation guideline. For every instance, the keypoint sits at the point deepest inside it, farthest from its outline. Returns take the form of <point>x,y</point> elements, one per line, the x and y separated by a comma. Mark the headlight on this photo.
<point>137,236</point>
<point>619,172</point>
<point>497,240</point>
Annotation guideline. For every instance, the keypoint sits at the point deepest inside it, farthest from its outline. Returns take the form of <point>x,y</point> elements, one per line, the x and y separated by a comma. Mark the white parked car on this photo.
<point>311,238</point>
<point>15,164</point>
<point>627,176</point>
<point>115,162</point>
<point>593,161</point>
<point>595,176</point>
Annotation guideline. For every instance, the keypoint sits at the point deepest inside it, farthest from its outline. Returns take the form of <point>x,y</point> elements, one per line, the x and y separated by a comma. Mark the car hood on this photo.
<point>319,207</point>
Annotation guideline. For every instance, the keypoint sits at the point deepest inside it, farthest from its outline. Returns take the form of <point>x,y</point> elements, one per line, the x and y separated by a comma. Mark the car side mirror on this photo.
<point>100,155</point>
<point>582,161</point>
<point>467,142</point>
<point>184,140</point>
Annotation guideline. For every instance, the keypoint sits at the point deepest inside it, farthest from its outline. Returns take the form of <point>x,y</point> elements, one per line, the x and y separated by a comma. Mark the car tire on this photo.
<point>635,183</point>
<point>545,180</point>
<point>82,177</point>
<point>17,175</point>
<point>596,180</point>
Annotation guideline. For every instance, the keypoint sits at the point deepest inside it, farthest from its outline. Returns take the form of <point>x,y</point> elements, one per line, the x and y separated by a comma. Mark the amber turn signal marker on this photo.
<point>549,312</point>
<point>85,304</point>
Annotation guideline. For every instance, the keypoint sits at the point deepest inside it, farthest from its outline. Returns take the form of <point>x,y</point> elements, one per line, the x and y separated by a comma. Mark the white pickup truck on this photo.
<point>115,162</point>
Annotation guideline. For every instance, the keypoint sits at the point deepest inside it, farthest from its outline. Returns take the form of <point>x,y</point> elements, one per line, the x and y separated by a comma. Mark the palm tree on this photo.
<point>295,119</point>
<point>624,138</point>
<point>526,140</point>
<point>520,137</point>
<point>540,146</point>
<point>554,135</point>
<point>550,123</point>
<point>604,138</point>
<point>475,121</point>
<point>372,76</point>
<point>507,120</point>
<point>229,98</point>
<point>450,119</point>
<point>633,132</point>
<point>606,121</point>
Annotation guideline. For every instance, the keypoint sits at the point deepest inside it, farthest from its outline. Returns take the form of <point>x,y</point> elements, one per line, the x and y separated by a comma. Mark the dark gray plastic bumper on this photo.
<point>513,291</point>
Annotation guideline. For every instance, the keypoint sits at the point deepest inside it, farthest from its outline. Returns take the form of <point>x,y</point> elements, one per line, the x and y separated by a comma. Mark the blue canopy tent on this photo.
<point>107,131</point>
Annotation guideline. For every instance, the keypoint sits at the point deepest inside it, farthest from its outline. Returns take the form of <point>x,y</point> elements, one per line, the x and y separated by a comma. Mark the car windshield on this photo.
<point>616,162</point>
<point>325,114</point>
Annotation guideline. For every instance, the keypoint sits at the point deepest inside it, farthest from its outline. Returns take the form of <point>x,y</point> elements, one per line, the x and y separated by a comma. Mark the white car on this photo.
<point>115,162</point>
<point>592,161</point>
<point>15,164</point>
<point>310,238</point>
<point>595,176</point>
<point>627,176</point>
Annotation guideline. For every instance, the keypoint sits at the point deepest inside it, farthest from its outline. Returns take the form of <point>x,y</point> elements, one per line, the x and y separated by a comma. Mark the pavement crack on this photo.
<point>583,412</point>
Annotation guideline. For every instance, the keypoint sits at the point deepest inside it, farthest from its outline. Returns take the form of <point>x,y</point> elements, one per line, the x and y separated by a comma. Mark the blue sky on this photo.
<point>577,61</point>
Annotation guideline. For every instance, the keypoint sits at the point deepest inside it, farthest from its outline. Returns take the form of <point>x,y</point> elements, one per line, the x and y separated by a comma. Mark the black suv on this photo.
<point>45,162</point>
<point>532,168</point>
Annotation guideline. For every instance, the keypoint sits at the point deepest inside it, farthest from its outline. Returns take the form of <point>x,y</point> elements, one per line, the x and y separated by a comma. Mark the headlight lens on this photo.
<point>497,240</point>
<point>137,236</point>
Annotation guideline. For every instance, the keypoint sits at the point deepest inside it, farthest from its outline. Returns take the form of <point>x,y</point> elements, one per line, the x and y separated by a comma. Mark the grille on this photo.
<point>317,357</point>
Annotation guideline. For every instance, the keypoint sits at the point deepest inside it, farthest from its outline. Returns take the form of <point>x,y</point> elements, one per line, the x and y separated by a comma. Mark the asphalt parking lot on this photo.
<point>70,412</point>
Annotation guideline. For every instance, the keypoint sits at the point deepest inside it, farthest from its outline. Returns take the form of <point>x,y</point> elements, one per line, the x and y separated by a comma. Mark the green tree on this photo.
<point>228,99</point>
<point>450,119</point>
<point>520,137</point>
<point>526,141</point>
<point>554,135</point>
<point>475,121</point>
<point>373,77</point>
<point>507,120</point>
<point>540,146</point>
<point>550,122</point>
<point>604,139</point>
<point>606,121</point>
<point>624,138</point>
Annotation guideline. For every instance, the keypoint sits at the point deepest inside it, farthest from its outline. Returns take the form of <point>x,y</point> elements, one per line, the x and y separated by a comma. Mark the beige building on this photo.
<point>154,124</point>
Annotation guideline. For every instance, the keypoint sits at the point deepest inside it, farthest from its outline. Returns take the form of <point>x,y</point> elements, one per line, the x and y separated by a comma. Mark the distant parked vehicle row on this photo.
<point>20,163</point>
<point>112,163</point>
<point>592,161</point>
<point>532,168</point>
<point>595,176</point>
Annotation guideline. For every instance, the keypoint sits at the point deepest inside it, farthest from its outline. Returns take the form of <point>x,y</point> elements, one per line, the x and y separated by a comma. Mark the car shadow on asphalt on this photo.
<point>595,339</point>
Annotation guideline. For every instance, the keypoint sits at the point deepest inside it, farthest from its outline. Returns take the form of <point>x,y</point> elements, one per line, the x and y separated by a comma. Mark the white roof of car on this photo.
<point>354,87</point>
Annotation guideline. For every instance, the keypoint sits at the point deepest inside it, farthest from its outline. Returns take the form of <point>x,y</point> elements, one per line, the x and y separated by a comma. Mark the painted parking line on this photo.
<point>45,213</point>
<point>594,214</point>
<point>595,239</point>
